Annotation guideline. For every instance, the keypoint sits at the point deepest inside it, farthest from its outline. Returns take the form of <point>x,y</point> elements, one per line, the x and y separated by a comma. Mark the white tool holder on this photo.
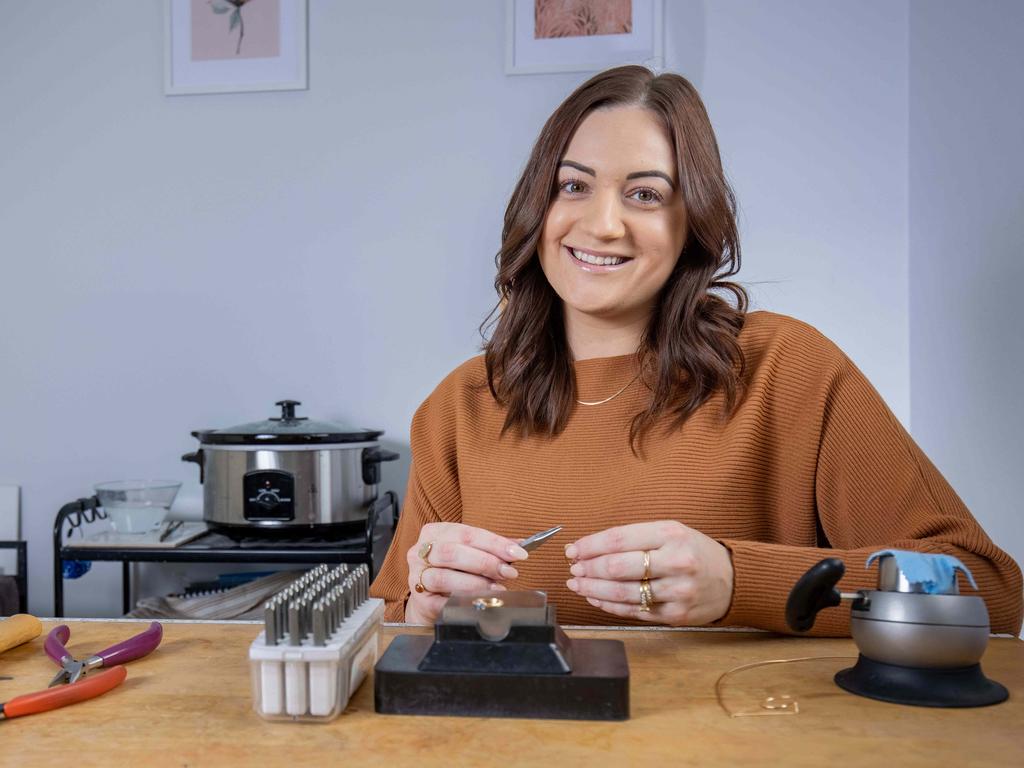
<point>313,679</point>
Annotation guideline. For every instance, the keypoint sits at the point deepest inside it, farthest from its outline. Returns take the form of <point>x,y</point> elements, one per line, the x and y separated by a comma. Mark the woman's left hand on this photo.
<point>691,575</point>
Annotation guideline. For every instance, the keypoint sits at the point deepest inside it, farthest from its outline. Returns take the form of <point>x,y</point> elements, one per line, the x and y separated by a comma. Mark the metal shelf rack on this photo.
<point>369,546</point>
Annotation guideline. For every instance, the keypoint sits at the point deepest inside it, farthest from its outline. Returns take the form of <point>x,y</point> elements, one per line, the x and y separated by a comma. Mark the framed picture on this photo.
<point>581,35</point>
<point>225,46</point>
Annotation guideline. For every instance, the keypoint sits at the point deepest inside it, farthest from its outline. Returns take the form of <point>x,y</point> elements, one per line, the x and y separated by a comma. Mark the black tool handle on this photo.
<point>815,590</point>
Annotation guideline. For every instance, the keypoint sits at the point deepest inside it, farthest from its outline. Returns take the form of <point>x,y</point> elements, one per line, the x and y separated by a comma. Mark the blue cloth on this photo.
<point>935,573</point>
<point>75,569</point>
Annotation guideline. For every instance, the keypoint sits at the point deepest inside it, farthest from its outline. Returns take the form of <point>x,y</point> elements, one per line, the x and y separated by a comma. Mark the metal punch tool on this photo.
<point>537,539</point>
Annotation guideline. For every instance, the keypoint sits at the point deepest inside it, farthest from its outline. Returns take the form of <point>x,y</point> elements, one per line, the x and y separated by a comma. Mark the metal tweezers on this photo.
<point>537,539</point>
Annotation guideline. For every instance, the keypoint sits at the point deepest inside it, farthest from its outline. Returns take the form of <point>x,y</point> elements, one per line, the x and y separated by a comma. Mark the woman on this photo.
<point>700,458</point>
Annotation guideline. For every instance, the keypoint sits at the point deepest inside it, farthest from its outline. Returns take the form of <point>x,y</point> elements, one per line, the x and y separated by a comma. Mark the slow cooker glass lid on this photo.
<point>286,429</point>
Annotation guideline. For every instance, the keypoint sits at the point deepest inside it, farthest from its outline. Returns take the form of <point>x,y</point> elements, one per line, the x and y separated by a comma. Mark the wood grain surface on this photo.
<point>190,704</point>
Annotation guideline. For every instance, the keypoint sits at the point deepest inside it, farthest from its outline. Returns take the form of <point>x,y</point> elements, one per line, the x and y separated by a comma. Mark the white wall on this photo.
<point>966,239</point>
<point>809,100</point>
<point>176,263</point>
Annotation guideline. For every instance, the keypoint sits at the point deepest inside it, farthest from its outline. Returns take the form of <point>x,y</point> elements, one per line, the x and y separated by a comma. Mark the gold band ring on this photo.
<point>647,566</point>
<point>424,552</point>
<point>646,596</point>
<point>420,588</point>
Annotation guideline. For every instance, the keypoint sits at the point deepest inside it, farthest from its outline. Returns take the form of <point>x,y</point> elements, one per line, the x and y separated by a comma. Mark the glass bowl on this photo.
<point>137,506</point>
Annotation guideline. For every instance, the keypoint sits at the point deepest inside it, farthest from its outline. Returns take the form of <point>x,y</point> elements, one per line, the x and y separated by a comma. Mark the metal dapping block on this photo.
<point>495,615</point>
<point>503,656</point>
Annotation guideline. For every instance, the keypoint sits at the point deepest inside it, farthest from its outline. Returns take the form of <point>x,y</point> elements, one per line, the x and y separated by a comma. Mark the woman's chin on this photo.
<point>597,311</point>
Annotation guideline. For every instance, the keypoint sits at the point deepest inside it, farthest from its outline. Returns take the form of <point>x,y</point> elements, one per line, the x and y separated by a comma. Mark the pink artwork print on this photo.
<point>236,29</point>
<point>579,18</point>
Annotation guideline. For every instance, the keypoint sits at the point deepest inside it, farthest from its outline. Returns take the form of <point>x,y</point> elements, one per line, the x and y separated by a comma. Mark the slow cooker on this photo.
<point>288,474</point>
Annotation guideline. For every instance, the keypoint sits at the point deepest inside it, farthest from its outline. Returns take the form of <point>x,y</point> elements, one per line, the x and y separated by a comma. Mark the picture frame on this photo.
<point>209,49</point>
<point>526,54</point>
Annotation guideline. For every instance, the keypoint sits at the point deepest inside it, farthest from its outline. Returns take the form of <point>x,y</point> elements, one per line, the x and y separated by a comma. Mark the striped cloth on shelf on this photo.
<point>241,602</point>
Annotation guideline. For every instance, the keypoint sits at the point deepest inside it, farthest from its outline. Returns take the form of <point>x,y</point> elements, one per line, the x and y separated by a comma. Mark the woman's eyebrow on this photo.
<point>578,167</point>
<point>634,175</point>
<point>659,174</point>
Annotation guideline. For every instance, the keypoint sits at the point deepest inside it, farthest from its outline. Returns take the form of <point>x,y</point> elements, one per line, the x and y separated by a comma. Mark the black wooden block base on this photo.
<point>596,689</point>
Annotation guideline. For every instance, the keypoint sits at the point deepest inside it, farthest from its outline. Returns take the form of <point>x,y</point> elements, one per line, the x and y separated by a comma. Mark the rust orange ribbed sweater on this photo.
<point>811,441</point>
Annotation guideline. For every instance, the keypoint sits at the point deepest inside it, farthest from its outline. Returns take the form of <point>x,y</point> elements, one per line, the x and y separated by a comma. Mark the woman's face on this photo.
<point>616,227</point>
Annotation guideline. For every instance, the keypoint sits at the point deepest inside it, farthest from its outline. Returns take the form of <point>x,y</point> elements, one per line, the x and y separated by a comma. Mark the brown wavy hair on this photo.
<point>690,348</point>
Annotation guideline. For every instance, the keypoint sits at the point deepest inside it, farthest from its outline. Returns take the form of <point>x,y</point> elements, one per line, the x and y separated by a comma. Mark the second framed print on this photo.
<point>581,35</point>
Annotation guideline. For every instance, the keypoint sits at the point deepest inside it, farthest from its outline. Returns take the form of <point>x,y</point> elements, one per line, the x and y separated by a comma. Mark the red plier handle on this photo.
<point>54,698</point>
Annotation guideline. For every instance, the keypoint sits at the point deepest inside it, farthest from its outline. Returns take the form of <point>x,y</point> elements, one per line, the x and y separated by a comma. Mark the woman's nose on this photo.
<point>602,218</point>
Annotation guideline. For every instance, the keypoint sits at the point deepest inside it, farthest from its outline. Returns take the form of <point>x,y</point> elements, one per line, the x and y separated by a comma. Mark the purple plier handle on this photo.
<point>134,647</point>
<point>54,643</point>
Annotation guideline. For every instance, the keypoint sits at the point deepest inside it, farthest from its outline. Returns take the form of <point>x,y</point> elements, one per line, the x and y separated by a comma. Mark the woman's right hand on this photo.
<point>452,557</point>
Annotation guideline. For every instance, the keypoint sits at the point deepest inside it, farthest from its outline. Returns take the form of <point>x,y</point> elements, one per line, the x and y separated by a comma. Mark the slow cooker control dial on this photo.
<point>269,495</point>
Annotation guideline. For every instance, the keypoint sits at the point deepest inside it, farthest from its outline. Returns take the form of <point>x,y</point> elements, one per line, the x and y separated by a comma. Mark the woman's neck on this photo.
<point>589,336</point>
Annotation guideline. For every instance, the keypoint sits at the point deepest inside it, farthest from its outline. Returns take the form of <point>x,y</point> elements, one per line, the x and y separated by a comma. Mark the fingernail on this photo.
<point>508,572</point>
<point>576,570</point>
<point>516,552</point>
<point>573,585</point>
<point>593,602</point>
<point>497,588</point>
<point>571,552</point>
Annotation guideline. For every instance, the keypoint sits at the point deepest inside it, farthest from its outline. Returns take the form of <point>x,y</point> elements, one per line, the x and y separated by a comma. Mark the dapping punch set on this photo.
<point>321,638</point>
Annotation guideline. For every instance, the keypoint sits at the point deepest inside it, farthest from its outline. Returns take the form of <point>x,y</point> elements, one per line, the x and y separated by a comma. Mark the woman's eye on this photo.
<point>644,195</point>
<point>647,196</point>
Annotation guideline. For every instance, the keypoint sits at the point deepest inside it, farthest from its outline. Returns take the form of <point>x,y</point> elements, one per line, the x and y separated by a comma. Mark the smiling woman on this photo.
<point>627,167</point>
<point>698,458</point>
<point>613,234</point>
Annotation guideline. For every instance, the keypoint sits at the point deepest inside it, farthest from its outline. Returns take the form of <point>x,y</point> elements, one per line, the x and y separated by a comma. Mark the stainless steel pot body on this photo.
<point>288,486</point>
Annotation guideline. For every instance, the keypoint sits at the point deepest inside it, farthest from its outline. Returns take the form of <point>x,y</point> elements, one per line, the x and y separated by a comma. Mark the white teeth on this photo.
<point>599,261</point>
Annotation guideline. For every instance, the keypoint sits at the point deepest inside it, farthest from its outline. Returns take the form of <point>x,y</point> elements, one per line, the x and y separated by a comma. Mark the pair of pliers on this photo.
<point>52,698</point>
<point>72,669</point>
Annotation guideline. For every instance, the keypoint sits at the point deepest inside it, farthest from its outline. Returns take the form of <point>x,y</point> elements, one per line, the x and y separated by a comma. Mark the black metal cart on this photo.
<point>21,577</point>
<point>369,547</point>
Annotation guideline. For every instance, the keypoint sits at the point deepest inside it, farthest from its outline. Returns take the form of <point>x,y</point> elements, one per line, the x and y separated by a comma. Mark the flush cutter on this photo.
<point>72,669</point>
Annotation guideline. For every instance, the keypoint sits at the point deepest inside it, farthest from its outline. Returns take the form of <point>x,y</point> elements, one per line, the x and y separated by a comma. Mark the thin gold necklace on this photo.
<point>602,402</point>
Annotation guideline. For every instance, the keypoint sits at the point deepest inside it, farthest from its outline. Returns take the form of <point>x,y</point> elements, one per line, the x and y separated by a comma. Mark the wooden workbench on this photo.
<point>190,704</point>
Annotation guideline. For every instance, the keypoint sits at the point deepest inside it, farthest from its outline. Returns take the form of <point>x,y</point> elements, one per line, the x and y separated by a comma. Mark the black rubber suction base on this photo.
<point>959,687</point>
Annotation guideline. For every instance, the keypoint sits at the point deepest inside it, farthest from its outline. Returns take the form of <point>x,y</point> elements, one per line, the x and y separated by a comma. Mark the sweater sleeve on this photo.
<point>432,495</point>
<point>874,489</point>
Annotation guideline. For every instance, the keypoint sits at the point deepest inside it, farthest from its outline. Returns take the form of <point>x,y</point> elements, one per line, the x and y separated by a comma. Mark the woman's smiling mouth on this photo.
<point>594,262</point>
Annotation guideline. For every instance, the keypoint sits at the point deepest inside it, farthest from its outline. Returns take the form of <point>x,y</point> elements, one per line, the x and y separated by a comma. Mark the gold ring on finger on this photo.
<point>647,566</point>
<point>646,596</point>
<point>424,552</point>
<point>420,588</point>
